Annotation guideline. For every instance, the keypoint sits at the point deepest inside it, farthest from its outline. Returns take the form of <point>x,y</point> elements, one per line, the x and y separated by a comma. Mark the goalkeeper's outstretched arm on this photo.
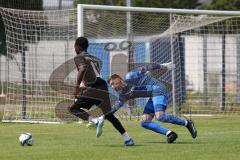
<point>146,68</point>
<point>154,66</point>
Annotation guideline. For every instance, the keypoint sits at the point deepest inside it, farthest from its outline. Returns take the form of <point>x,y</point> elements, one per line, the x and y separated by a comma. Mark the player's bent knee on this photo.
<point>70,108</point>
<point>162,118</point>
<point>146,117</point>
<point>144,123</point>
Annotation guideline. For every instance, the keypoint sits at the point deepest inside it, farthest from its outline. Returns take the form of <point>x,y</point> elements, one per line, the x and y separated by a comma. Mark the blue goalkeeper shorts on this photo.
<point>156,104</point>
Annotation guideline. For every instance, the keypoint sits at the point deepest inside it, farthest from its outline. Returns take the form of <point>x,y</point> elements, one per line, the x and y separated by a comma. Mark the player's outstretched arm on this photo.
<point>154,66</point>
<point>142,69</point>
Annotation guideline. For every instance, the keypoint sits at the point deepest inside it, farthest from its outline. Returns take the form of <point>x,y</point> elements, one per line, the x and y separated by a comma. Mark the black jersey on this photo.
<point>92,66</point>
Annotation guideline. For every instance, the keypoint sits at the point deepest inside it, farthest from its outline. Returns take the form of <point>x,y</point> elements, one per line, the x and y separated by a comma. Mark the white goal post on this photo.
<point>186,22</point>
<point>204,46</point>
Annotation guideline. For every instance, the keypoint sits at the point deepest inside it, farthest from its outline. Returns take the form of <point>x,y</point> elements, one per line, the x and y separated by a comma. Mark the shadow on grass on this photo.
<point>117,146</point>
<point>185,142</point>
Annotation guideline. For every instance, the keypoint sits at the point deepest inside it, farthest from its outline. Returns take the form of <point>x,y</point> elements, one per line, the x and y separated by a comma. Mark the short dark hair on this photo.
<point>114,76</point>
<point>82,42</point>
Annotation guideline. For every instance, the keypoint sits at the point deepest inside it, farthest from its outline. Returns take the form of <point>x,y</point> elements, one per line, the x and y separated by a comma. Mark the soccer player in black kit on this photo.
<point>90,86</point>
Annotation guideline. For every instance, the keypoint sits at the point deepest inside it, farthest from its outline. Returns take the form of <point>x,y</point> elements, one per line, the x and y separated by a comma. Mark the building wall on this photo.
<point>194,61</point>
<point>43,57</point>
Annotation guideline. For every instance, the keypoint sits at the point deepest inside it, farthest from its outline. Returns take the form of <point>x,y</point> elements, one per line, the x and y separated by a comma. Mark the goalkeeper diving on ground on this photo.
<point>138,83</point>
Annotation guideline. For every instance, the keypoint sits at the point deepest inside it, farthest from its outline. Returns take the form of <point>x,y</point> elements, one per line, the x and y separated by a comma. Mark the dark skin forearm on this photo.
<point>80,76</point>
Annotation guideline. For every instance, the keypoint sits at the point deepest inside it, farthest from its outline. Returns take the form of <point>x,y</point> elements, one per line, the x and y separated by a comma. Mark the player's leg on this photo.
<point>150,108</point>
<point>160,105</point>
<point>99,125</point>
<point>147,123</point>
<point>101,84</point>
<point>128,141</point>
<point>87,103</point>
<point>82,102</point>
<point>93,122</point>
<point>78,112</point>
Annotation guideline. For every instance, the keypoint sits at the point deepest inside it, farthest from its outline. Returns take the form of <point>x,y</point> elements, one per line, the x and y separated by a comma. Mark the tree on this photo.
<point>3,49</point>
<point>190,4</point>
<point>222,5</point>
<point>187,4</point>
<point>101,2</point>
<point>111,23</point>
<point>15,4</point>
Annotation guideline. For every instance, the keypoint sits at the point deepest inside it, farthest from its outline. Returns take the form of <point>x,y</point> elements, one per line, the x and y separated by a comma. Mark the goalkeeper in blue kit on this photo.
<point>139,83</point>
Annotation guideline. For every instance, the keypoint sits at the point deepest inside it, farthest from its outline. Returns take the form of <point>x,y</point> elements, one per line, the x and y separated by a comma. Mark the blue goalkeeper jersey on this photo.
<point>139,84</point>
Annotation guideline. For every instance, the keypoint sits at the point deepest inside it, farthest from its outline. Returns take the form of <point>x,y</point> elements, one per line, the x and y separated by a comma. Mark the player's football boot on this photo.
<point>129,142</point>
<point>99,128</point>
<point>171,137</point>
<point>91,125</point>
<point>191,128</point>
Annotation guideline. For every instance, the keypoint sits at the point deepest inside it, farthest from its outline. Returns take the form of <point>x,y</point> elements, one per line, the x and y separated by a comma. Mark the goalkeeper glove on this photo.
<point>169,65</point>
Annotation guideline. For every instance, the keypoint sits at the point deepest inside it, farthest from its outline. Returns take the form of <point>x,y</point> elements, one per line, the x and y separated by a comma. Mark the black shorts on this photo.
<point>88,101</point>
<point>100,84</point>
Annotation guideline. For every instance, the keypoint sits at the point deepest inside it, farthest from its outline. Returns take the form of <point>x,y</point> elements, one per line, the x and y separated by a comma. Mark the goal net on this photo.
<point>204,46</point>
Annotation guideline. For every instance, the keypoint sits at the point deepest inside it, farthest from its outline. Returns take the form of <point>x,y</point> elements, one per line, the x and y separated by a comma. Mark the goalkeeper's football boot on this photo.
<point>99,128</point>
<point>129,142</point>
<point>171,137</point>
<point>191,128</point>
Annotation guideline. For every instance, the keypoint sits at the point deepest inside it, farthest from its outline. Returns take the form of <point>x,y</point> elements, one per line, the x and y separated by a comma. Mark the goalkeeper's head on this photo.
<point>81,44</point>
<point>116,82</point>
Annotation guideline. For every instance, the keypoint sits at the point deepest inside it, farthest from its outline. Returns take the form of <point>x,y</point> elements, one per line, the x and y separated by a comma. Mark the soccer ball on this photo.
<point>26,139</point>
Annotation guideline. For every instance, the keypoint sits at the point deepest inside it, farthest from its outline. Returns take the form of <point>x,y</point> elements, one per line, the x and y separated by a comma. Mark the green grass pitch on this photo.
<point>218,139</point>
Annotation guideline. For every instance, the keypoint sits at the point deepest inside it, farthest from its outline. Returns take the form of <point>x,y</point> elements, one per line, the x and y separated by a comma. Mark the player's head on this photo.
<point>116,82</point>
<point>81,44</point>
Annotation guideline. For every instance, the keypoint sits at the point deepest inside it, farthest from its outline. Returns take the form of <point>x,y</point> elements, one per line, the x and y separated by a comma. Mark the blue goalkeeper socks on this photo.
<point>169,118</point>
<point>154,127</point>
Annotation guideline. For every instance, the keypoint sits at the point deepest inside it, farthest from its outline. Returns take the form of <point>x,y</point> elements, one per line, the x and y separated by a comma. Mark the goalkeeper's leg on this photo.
<point>160,105</point>
<point>147,123</point>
